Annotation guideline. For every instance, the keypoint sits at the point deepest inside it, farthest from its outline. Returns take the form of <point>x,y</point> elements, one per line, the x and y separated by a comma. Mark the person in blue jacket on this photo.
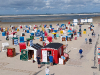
<point>51,60</point>
<point>80,51</point>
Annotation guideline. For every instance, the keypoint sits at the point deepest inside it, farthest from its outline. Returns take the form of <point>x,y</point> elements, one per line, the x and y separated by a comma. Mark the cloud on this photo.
<point>47,5</point>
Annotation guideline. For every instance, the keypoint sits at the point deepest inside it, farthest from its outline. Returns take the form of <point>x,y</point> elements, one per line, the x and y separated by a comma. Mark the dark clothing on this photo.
<point>80,51</point>
<point>92,34</point>
<point>38,60</point>
<point>90,40</point>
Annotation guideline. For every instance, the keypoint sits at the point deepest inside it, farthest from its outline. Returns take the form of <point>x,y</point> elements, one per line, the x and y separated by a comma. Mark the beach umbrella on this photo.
<point>43,29</point>
<point>55,31</point>
<point>62,25</point>
<point>61,32</point>
<point>49,38</point>
<point>26,26</point>
<point>45,26</point>
<point>45,33</point>
<point>38,30</point>
<point>69,31</point>
<point>68,22</point>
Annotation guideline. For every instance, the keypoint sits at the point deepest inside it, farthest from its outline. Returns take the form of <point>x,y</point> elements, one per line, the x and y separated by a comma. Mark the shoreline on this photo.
<point>4,24</point>
<point>44,15</point>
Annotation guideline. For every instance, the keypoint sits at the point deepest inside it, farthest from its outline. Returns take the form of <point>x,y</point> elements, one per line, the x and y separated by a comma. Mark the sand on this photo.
<point>74,66</point>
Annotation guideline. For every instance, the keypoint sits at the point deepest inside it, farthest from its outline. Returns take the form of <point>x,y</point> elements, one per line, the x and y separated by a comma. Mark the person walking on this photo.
<point>47,70</point>
<point>86,40</point>
<point>51,60</point>
<point>94,34</point>
<point>80,51</point>
<point>38,61</point>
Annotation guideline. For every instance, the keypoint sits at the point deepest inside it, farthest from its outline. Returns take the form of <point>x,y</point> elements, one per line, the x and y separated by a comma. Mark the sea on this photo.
<point>43,18</point>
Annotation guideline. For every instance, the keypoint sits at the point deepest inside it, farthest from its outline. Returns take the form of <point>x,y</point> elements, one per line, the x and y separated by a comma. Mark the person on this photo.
<point>80,51</point>
<point>38,61</point>
<point>86,40</point>
<point>90,41</point>
<point>63,57</point>
<point>51,60</point>
<point>48,56</point>
<point>92,34</point>
<point>47,70</point>
<point>90,28</point>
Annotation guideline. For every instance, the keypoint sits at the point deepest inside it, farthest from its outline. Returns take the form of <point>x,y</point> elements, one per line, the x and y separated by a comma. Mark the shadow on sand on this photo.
<point>42,65</point>
<point>37,72</point>
<point>17,54</point>
<point>52,74</point>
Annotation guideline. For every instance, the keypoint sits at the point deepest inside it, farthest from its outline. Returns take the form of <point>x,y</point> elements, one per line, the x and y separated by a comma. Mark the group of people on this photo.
<point>39,63</point>
<point>39,60</point>
<point>90,40</point>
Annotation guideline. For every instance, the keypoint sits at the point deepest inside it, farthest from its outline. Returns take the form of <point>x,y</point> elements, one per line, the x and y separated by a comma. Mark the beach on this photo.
<point>74,66</point>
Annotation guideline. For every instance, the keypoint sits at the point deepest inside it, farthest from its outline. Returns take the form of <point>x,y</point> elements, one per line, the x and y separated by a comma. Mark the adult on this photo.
<point>47,70</point>
<point>48,56</point>
<point>38,61</point>
<point>92,34</point>
<point>51,60</point>
<point>80,51</point>
<point>86,40</point>
<point>90,41</point>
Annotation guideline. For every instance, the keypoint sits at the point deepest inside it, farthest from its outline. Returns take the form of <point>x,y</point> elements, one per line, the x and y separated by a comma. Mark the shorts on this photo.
<point>39,62</point>
<point>51,62</point>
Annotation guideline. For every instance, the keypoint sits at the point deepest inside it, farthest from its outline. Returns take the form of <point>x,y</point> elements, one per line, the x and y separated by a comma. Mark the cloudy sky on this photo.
<point>48,6</point>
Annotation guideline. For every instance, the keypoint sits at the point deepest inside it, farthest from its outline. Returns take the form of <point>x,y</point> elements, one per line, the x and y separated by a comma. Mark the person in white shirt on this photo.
<point>47,70</point>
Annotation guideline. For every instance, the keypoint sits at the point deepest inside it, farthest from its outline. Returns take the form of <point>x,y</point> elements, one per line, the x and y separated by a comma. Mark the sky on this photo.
<point>48,6</point>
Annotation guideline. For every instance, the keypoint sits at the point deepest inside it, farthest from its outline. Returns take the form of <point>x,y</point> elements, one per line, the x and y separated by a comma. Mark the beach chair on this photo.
<point>28,31</point>
<point>3,33</point>
<point>21,39</point>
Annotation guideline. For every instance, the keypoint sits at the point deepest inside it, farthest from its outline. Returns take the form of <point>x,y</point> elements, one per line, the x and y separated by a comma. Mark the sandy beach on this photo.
<point>74,66</point>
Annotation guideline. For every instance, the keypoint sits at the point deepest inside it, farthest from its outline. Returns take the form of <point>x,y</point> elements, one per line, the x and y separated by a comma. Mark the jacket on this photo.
<point>47,71</point>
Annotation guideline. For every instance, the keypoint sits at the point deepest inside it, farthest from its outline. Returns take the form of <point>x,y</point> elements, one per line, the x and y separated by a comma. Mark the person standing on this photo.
<point>94,34</point>
<point>38,61</point>
<point>80,51</point>
<point>86,40</point>
<point>47,70</point>
<point>90,41</point>
<point>48,56</point>
<point>51,60</point>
